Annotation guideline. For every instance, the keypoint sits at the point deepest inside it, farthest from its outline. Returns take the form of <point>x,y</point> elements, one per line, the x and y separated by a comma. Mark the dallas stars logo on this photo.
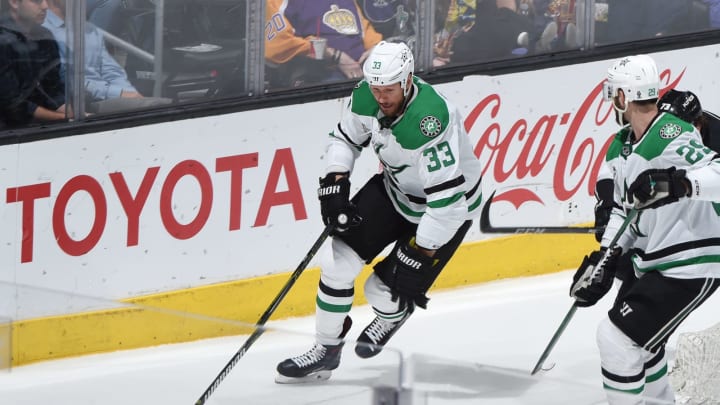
<point>430,126</point>
<point>669,131</point>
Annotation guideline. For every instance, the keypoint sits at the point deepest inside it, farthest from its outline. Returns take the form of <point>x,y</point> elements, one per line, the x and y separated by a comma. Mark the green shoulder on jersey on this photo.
<point>363,102</point>
<point>616,146</point>
<point>665,129</point>
<point>426,117</point>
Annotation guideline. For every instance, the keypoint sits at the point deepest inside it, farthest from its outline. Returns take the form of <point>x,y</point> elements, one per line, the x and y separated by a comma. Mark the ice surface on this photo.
<point>473,345</point>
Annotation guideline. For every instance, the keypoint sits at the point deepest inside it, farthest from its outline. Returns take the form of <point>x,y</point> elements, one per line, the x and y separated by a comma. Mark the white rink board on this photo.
<point>265,164</point>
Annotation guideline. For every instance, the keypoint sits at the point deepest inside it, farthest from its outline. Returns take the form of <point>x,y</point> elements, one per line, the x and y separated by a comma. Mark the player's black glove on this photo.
<point>594,277</point>
<point>603,206</point>
<point>409,273</point>
<point>335,206</point>
<point>654,188</point>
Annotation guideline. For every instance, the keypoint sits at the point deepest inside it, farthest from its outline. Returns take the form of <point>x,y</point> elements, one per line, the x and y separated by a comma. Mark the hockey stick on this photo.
<point>486,227</point>
<point>574,306</point>
<point>265,316</point>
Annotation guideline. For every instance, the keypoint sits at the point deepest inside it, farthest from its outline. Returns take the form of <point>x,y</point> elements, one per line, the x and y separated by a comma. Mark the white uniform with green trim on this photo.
<point>428,161</point>
<point>682,239</point>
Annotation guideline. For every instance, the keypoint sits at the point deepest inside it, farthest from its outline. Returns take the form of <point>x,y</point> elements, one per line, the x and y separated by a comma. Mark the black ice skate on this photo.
<point>314,365</point>
<point>371,341</point>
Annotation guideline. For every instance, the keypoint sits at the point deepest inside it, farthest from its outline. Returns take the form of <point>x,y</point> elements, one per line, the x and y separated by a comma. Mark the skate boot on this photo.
<point>314,365</point>
<point>371,341</point>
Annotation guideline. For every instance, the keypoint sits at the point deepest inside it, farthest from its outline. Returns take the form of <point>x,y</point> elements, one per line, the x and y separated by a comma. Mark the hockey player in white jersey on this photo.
<point>685,105</point>
<point>660,166</point>
<point>423,202</point>
<point>682,104</point>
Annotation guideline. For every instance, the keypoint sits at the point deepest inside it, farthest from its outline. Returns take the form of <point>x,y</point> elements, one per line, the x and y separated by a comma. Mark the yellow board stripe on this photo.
<point>232,308</point>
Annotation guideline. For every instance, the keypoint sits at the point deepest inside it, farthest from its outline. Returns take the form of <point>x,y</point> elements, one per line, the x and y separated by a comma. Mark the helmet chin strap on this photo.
<point>406,100</point>
<point>407,86</point>
<point>619,117</point>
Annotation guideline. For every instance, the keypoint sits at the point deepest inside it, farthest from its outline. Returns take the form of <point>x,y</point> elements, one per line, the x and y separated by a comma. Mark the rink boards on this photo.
<point>188,229</point>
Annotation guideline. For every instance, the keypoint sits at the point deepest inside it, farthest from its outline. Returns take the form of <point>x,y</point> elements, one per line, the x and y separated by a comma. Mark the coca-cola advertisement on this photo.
<point>214,199</point>
<point>542,137</point>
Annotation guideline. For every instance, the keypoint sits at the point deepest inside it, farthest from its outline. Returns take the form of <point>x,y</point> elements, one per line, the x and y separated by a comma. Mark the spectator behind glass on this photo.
<point>107,88</point>
<point>291,24</point>
<point>499,32</point>
<point>554,27</point>
<point>459,18</point>
<point>390,18</point>
<point>31,88</point>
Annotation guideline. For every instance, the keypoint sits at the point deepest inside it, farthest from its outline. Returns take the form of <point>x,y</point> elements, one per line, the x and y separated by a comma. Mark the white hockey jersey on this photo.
<point>681,239</point>
<point>431,174</point>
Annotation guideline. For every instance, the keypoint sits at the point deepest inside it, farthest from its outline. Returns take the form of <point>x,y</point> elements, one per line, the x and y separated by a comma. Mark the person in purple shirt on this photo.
<point>107,87</point>
<point>291,24</point>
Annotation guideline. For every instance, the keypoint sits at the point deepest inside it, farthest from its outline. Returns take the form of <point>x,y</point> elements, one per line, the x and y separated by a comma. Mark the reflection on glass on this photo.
<point>107,88</point>
<point>147,53</point>
<point>436,380</point>
<point>56,330</point>
<point>31,88</point>
<point>201,49</point>
<point>624,21</point>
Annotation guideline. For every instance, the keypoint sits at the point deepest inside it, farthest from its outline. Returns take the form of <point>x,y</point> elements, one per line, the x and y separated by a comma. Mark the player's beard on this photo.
<point>392,111</point>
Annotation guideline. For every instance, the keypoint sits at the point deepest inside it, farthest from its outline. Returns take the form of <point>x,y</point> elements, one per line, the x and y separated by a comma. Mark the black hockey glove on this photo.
<point>594,277</point>
<point>654,188</point>
<point>603,206</point>
<point>335,206</point>
<point>409,273</point>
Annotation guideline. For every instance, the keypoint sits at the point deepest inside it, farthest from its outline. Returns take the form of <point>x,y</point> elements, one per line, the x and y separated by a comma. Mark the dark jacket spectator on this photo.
<point>31,87</point>
<point>496,34</point>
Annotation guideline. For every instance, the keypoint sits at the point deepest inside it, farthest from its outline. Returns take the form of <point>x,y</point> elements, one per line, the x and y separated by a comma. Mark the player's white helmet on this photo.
<point>636,75</point>
<point>388,63</point>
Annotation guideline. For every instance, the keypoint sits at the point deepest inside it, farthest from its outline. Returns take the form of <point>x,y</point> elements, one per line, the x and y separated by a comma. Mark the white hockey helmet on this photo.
<point>388,63</point>
<point>636,75</point>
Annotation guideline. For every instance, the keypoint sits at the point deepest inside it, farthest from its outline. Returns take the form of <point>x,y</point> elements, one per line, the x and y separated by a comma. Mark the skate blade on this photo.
<point>367,351</point>
<point>321,375</point>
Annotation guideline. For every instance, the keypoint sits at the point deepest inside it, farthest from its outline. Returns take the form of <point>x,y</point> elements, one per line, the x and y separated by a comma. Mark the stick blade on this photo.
<point>537,368</point>
<point>485,226</point>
